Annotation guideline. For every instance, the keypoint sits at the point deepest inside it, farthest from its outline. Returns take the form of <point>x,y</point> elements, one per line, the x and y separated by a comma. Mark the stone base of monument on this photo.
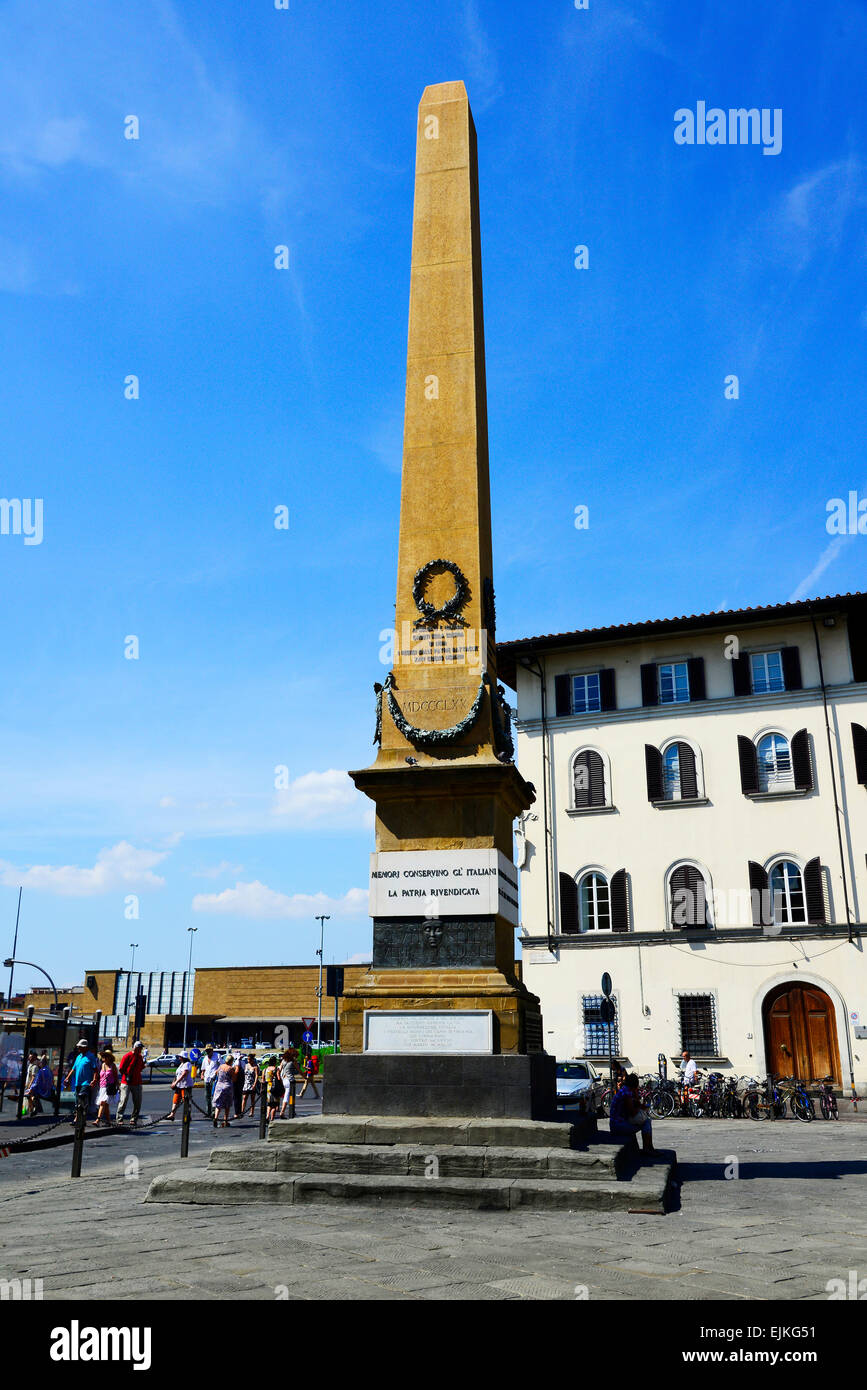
<point>484,1164</point>
<point>491,1086</point>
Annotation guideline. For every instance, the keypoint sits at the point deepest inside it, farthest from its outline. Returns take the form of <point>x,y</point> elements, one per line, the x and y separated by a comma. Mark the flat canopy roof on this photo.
<point>508,653</point>
<point>259,1018</point>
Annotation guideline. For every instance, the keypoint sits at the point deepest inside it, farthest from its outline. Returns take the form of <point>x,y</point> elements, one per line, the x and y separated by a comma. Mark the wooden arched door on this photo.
<point>801,1033</point>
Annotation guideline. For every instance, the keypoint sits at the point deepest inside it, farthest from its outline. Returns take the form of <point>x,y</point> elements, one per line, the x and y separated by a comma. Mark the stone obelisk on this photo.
<point>443,886</point>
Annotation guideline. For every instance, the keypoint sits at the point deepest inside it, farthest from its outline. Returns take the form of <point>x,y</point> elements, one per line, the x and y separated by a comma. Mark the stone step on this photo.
<point>600,1164</point>
<point>646,1191</point>
<point>422,1130</point>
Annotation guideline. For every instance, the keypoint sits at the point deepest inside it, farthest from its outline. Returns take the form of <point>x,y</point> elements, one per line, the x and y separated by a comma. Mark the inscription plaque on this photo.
<point>454,1031</point>
<point>418,941</point>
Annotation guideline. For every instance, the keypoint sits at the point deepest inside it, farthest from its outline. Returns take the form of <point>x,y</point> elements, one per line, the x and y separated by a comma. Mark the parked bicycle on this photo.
<point>799,1099</point>
<point>827,1098</point>
<point>761,1097</point>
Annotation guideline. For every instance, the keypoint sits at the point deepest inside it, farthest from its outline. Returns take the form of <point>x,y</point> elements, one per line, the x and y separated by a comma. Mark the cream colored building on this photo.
<point>699,833</point>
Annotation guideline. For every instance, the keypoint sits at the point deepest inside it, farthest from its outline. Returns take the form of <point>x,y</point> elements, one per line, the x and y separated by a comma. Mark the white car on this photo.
<point>579,1086</point>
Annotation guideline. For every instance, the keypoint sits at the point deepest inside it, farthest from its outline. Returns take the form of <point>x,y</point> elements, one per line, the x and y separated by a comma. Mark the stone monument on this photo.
<point>443,1076</point>
<point>441,1024</point>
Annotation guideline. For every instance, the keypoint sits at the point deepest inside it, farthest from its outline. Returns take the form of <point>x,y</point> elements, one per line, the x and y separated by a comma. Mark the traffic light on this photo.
<point>334,981</point>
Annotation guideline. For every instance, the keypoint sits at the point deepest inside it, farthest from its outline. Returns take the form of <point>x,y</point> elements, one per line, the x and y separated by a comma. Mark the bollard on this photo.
<point>291,1114</point>
<point>78,1140</point>
<point>186,1116</point>
<point>263,1113</point>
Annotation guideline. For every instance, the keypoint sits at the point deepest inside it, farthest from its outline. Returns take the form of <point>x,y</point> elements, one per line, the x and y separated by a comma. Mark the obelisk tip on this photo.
<point>445,91</point>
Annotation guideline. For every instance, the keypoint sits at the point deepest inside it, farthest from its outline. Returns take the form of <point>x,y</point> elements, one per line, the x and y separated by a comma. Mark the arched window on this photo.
<point>588,779</point>
<point>774,758</point>
<point>787,893</point>
<point>688,897</point>
<point>594,905</point>
<point>673,774</point>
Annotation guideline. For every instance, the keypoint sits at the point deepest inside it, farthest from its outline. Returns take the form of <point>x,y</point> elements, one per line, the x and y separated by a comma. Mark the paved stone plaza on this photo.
<point>794,1218</point>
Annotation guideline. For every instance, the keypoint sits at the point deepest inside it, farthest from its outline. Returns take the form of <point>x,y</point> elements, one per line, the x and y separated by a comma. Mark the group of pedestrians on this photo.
<point>236,1081</point>
<point>233,1084</point>
<point>39,1083</point>
<point>97,1078</point>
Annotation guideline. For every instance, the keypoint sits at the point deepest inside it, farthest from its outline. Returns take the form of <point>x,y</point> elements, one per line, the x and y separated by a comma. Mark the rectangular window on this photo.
<point>595,1031</point>
<point>586,697</point>
<point>698,1024</point>
<point>766,669</point>
<point>673,683</point>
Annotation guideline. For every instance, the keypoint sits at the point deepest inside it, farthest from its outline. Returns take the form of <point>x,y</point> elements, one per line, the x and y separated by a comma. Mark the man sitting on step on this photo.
<point>628,1119</point>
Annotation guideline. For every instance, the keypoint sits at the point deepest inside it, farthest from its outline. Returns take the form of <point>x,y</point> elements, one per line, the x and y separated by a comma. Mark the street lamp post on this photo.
<point>133,948</point>
<point>321,920</point>
<point>191,930</point>
<point>14,961</point>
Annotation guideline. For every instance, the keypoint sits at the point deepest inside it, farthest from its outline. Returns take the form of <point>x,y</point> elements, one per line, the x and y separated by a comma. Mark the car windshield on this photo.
<point>575,1071</point>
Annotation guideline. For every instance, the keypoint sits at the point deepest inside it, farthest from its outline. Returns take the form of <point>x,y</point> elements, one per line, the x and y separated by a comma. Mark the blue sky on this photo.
<point>262,387</point>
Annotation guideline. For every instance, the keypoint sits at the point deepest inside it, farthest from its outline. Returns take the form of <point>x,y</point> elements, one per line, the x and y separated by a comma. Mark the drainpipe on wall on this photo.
<point>536,668</point>
<point>839,830</point>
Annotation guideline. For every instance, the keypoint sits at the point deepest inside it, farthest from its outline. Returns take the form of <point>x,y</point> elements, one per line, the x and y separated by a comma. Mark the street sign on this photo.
<point>334,981</point>
<point>606,1010</point>
<point>308,1022</point>
<point>606,984</point>
<point>195,1054</point>
<point>307,1036</point>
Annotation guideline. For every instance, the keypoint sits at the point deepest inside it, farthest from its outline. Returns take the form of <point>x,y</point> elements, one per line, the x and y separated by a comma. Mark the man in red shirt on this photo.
<point>131,1068</point>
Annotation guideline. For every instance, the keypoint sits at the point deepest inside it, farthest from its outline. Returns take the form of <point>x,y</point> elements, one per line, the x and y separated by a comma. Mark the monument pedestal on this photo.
<point>517,1087</point>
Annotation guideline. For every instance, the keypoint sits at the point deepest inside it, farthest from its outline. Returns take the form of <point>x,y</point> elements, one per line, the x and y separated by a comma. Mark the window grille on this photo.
<point>698,1033</point>
<point>595,1031</point>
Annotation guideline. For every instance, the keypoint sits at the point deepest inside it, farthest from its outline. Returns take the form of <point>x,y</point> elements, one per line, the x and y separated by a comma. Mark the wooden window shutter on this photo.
<point>688,778</point>
<point>649,684</point>
<point>814,891</point>
<point>619,900</point>
<point>801,764</point>
<point>791,660</point>
<point>569,923</point>
<point>597,778</point>
<point>688,897</point>
<point>589,779</point>
<point>859,743</point>
<point>749,764</point>
<point>695,666</point>
<point>741,682</point>
<point>607,696</point>
<point>653,764</point>
<point>563,694</point>
<point>760,898</point>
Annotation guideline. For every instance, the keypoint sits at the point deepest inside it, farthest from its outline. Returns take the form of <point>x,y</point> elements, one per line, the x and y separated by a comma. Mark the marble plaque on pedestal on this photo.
<point>438,1031</point>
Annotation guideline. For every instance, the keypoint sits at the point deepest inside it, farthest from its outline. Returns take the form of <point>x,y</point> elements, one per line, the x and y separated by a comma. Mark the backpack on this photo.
<point>277,1087</point>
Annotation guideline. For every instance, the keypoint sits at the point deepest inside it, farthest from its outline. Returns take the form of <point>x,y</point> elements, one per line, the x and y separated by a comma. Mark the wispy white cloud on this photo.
<point>480,61</point>
<point>67,87</point>
<point>120,868</point>
<point>812,215</point>
<point>322,796</point>
<point>256,900</point>
<point>806,588</point>
<point>217,870</point>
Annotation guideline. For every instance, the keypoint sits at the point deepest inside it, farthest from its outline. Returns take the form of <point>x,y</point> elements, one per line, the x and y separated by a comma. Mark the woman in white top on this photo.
<point>183,1082</point>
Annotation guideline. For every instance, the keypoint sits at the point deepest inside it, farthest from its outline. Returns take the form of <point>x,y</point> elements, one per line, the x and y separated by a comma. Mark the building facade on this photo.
<point>699,833</point>
<point>225,1005</point>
